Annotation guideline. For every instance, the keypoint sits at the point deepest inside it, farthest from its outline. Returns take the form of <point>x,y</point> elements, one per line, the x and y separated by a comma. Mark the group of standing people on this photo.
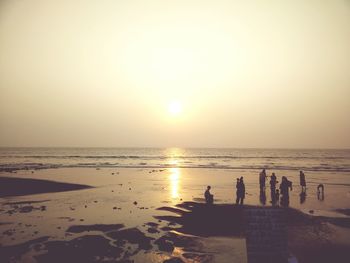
<point>283,190</point>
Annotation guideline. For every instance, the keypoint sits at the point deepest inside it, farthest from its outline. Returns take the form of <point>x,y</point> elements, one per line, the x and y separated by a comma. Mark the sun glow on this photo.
<point>175,108</point>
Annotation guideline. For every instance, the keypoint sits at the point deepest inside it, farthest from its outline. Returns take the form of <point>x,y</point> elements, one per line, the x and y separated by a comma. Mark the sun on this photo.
<point>175,108</point>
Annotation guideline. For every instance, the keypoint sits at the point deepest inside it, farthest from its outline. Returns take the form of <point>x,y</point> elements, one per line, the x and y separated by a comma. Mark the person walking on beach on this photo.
<point>302,181</point>
<point>284,189</point>
<point>262,179</point>
<point>240,191</point>
<point>209,198</point>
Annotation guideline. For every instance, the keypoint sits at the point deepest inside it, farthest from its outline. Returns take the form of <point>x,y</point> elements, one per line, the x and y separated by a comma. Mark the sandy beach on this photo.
<point>137,131</point>
<point>151,215</point>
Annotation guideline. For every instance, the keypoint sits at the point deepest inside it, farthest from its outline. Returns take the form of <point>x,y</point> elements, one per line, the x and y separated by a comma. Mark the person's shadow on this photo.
<point>302,197</point>
<point>262,197</point>
<point>273,197</point>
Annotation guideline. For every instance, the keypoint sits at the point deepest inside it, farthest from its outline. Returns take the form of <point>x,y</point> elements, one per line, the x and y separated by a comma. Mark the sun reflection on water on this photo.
<point>175,172</point>
<point>174,179</point>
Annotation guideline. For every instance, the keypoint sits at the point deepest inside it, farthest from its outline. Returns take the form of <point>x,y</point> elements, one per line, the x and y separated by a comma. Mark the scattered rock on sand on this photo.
<point>90,248</point>
<point>152,230</point>
<point>135,203</point>
<point>198,257</point>
<point>7,252</point>
<point>97,227</point>
<point>26,209</point>
<point>173,260</point>
<point>166,228</point>
<point>133,236</point>
<point>9,232</point>
<point>152,224</point>
<point>164,244</point>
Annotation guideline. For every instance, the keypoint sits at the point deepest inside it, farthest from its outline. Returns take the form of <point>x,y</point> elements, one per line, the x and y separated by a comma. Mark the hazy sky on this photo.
<point>240,73</point>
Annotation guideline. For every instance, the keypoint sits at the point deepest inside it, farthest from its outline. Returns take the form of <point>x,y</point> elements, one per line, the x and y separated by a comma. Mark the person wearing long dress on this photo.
<point>262,179</point>
<point>209,198</point>
<point>284,190</point>
<point>240,191</point>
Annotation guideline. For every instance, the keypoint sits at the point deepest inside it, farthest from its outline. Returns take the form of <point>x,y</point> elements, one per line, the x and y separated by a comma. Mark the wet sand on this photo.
<point>147,215</point>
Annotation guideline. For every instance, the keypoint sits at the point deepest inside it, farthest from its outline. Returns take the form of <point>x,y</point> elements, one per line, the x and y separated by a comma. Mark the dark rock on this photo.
<point>132,235</point>
<point>26,209</point>
<point>83,249</point>
<point>164,244</point>
<point>152,224</point>
<point>97,227</point>
<point>152,230</point>
<point>198,257</point>
<point>174,260</point>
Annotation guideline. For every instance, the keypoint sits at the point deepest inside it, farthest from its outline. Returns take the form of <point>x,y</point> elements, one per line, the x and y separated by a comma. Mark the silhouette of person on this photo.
<point>240,188</point>
<point>209,198</point>
<point>284,188</point>
<point>273,182</point>
<point>262,178</point>
<point>320,192</point>
<point>302,181</point>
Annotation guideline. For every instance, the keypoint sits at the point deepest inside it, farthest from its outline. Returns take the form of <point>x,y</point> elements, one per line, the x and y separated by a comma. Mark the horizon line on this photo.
<point>182,147</point>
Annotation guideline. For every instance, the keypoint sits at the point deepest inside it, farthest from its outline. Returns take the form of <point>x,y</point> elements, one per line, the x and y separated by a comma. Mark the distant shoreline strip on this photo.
<point>40,166</point>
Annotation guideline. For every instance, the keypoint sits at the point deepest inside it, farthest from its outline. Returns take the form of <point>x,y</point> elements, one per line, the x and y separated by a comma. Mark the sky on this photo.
<point>256,74</point>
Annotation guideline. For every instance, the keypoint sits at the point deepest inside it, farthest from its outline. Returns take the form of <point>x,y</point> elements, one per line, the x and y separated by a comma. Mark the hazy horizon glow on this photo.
<point>175,73</point>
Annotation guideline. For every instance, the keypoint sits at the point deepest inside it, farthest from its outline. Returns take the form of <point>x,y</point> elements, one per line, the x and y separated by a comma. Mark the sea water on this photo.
<point>332,160</point>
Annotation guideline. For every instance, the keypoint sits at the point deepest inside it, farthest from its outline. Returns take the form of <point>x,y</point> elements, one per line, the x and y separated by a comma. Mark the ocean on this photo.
<point>273,159</point>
